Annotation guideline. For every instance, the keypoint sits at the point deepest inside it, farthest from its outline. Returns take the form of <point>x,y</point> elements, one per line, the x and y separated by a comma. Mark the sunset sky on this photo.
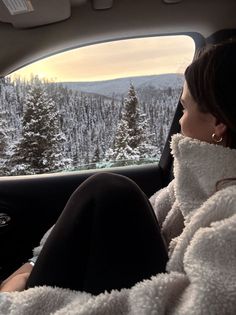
<point>148,56</point>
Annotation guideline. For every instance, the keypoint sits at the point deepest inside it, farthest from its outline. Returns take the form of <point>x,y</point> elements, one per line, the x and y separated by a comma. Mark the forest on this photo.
<point>48,127</point>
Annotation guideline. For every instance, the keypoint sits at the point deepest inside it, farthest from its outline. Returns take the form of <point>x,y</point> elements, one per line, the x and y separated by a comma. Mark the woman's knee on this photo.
<point>112,184</point>
<point>105,193</point>
<point>107,180</point>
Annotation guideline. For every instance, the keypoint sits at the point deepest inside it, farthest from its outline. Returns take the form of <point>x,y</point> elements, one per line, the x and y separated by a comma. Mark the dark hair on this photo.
<point>211,79</point>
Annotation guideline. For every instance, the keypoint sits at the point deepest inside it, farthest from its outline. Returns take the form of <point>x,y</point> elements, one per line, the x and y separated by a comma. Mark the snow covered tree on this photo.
<point>2,139</point>
<point>39,149</point>
<point>88,121</point>
<point>132,140</point>
<point>3,143</point>
<point>8,118</point>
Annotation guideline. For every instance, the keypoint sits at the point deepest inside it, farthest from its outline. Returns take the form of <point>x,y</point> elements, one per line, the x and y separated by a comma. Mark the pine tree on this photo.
<point>132,140</point>
<point>3,122</point>
<point>8,119</point>
<point>2,138</point>
<point>3,144</point>
<point>39,149</point>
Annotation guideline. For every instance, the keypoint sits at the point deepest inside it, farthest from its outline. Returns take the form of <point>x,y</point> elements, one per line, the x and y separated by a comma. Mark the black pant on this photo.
<point>106,238</point>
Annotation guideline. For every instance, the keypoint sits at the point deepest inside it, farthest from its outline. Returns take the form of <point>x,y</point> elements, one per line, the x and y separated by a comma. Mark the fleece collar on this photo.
<point>198,166</point>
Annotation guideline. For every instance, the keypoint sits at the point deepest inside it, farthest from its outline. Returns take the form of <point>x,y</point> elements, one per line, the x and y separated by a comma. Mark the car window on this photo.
<point>100,106</point>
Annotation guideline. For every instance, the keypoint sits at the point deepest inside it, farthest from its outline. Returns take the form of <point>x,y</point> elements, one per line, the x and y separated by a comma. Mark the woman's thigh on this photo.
<point>106,238</point>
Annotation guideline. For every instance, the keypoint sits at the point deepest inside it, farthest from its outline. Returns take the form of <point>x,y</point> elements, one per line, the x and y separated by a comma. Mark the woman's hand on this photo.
<point>16,283</point>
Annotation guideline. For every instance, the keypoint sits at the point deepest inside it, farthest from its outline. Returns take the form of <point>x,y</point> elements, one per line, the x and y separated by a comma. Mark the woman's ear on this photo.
<point>220,129</point>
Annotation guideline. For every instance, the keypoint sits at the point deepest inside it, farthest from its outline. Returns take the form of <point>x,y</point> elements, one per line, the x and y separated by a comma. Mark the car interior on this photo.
<point>32,30</point>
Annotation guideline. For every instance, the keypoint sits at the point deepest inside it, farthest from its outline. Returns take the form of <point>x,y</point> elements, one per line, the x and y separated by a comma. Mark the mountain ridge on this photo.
<point>120,86</point>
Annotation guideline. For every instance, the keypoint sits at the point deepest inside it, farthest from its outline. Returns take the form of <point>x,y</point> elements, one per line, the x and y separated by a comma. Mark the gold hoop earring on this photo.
<point>215,139</point>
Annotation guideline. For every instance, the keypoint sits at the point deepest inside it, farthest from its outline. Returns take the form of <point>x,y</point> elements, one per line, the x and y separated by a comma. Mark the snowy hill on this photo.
<point>120,87</point>
<point>87,123</point>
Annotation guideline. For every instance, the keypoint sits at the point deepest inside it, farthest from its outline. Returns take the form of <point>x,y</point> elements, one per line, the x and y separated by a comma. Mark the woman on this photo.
<point>196,213</point>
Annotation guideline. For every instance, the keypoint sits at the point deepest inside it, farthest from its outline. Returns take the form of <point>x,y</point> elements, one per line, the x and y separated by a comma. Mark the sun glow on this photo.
<point>117,59</point>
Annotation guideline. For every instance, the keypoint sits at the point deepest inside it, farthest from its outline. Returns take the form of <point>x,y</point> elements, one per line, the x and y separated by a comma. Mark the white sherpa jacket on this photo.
<point>199,225</point>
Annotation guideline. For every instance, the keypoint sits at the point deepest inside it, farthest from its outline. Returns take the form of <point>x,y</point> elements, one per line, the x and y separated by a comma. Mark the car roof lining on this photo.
<point>126,19</point>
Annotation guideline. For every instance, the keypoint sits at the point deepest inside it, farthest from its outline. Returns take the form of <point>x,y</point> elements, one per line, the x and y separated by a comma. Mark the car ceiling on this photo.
<point>57,25</point>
